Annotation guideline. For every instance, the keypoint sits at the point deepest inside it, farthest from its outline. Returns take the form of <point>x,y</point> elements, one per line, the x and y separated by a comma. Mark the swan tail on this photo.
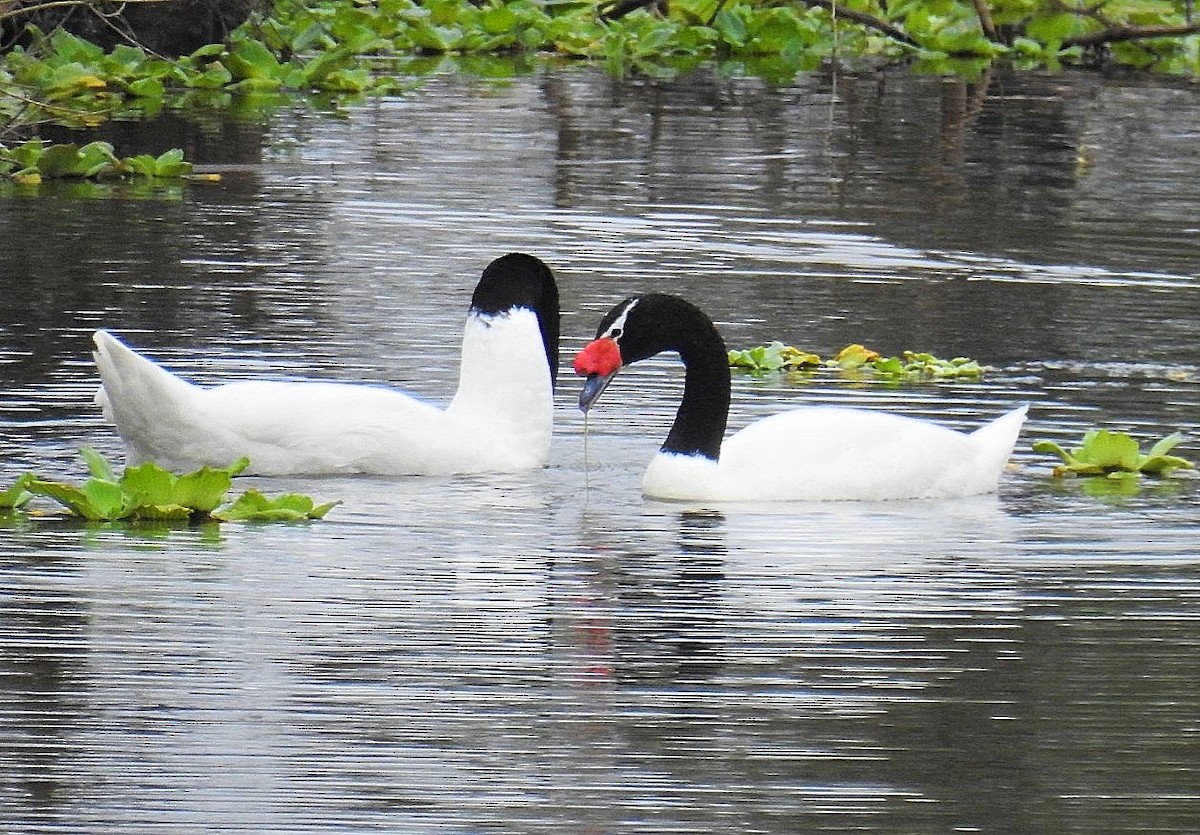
<point>996,440</point>
<point>134,392</point>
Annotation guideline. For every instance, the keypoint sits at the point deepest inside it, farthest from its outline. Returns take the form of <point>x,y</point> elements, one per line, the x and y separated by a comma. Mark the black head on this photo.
<point>519,280</point>
<point>643,326</point>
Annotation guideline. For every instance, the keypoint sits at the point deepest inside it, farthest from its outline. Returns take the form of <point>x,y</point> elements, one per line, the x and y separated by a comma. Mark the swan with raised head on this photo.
<point>499,420</point>
<point>809,453</point>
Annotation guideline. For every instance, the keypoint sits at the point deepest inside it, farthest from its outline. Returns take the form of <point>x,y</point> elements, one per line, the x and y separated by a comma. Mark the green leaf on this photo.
<point>253,506</point>
<point>1052,28</point>
<point>96,158</point>
<point>202,490</point>
<point>250,59</point>
<point>1160,465</point>
<point>25,155</point>
<point>213,76</point>
<point>854,356</point>
<point>731,26</point>
<point>97,465</point>
<point>148,484</point>
<point>124,59</point>
<point>1051,448</point>
<point>346,81</point>
<point>72,48</point>
<point>250,505</point>
<point>890,367</point>
<point>71,80</point>
<point>212,50</point>
<point>319,511</point>
<point>146,88</point>
<point>16,495</point>
<point>324,63</point>
<point>170,164</point>
<point>427,36</point>
<point>1109,450</point>
<point>164,513</point>
<point>60,161</point>
<point>498,19</point>
<point>67,495</point>
<point>107,498</point>
<point>1165,445</point>
<point>142,165</point>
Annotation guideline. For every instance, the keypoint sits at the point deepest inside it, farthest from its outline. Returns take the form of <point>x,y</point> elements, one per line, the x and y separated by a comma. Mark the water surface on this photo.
<point>549,652</point>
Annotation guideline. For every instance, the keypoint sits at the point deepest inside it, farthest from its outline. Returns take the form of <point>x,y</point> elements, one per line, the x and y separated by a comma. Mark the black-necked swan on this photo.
<point>809,453</point>
<point>499,420</point>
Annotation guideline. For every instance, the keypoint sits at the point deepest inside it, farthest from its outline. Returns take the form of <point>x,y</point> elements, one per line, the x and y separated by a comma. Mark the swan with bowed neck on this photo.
<point>499,420</point>
<point>811,453</point>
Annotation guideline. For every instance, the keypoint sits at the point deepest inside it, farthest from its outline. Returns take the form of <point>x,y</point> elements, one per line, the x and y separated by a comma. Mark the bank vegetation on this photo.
<point>80,62</point>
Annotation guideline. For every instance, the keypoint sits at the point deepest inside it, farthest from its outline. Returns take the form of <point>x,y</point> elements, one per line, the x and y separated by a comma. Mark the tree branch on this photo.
<point>1119,34</point>
<point>892,31</point>
<point>15,9</point>
<point>985,20</point>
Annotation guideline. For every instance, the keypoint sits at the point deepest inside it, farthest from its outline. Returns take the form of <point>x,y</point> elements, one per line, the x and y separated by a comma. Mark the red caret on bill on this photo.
<point>600,356</point>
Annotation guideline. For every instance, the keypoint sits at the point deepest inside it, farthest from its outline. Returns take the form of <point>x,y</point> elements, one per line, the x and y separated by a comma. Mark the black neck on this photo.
<point>700,422</point>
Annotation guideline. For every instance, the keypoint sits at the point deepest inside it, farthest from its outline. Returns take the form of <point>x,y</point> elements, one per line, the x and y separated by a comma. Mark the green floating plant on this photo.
<point>910,365</point>
<point>33,161</point>
<point>253,506</point>
<point>149,493</point>
<point>773,357</point>
<point>1115,455</point>
<point>856,359</point>
<point>16,496</point>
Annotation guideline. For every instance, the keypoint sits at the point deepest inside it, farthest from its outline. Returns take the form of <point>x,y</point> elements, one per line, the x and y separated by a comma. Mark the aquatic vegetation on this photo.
<point>909,365</point>
<point>858,360</point>
<point>67,80</point>
<point>1115,455</point>
<point>15,496</point>
<point>35,160</point>
<point>253,506</point>
<point>149,493</point>
<point>774,357</point>
<point>339,47</point>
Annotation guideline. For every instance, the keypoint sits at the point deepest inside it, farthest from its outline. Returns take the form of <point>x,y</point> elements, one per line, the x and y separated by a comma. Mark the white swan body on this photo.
<point>820,453</point>
<point>500,419</point>
<point>827,453</point>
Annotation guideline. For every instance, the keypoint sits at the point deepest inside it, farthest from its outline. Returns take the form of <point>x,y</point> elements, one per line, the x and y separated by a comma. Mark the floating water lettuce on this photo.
<point>253,506</point>
<point>1115,455</point>
<point>16,496</point>
<point>773,357</point>
<point>31,162</point>
<point>856,359</point>
<point>147,492</point>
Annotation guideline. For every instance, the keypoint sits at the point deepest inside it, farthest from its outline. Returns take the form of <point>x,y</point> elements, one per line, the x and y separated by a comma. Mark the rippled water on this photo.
<point>549,652</point>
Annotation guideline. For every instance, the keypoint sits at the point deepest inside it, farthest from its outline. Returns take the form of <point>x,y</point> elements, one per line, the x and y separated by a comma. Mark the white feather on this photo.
<point>831,453</point>
<point>500,418</point>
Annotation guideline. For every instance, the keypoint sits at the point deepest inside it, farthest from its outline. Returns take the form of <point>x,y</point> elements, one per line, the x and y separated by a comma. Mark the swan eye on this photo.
<point>615,333</point>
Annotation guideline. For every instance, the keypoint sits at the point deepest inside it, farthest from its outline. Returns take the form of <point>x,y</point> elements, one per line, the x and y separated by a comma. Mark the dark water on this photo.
<point>549,652</point>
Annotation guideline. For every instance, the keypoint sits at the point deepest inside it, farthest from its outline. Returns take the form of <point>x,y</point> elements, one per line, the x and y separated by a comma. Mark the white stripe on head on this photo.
<point>618,325</point>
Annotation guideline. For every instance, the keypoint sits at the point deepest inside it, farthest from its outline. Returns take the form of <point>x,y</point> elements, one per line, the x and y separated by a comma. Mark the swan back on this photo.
<point>829,453</point>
